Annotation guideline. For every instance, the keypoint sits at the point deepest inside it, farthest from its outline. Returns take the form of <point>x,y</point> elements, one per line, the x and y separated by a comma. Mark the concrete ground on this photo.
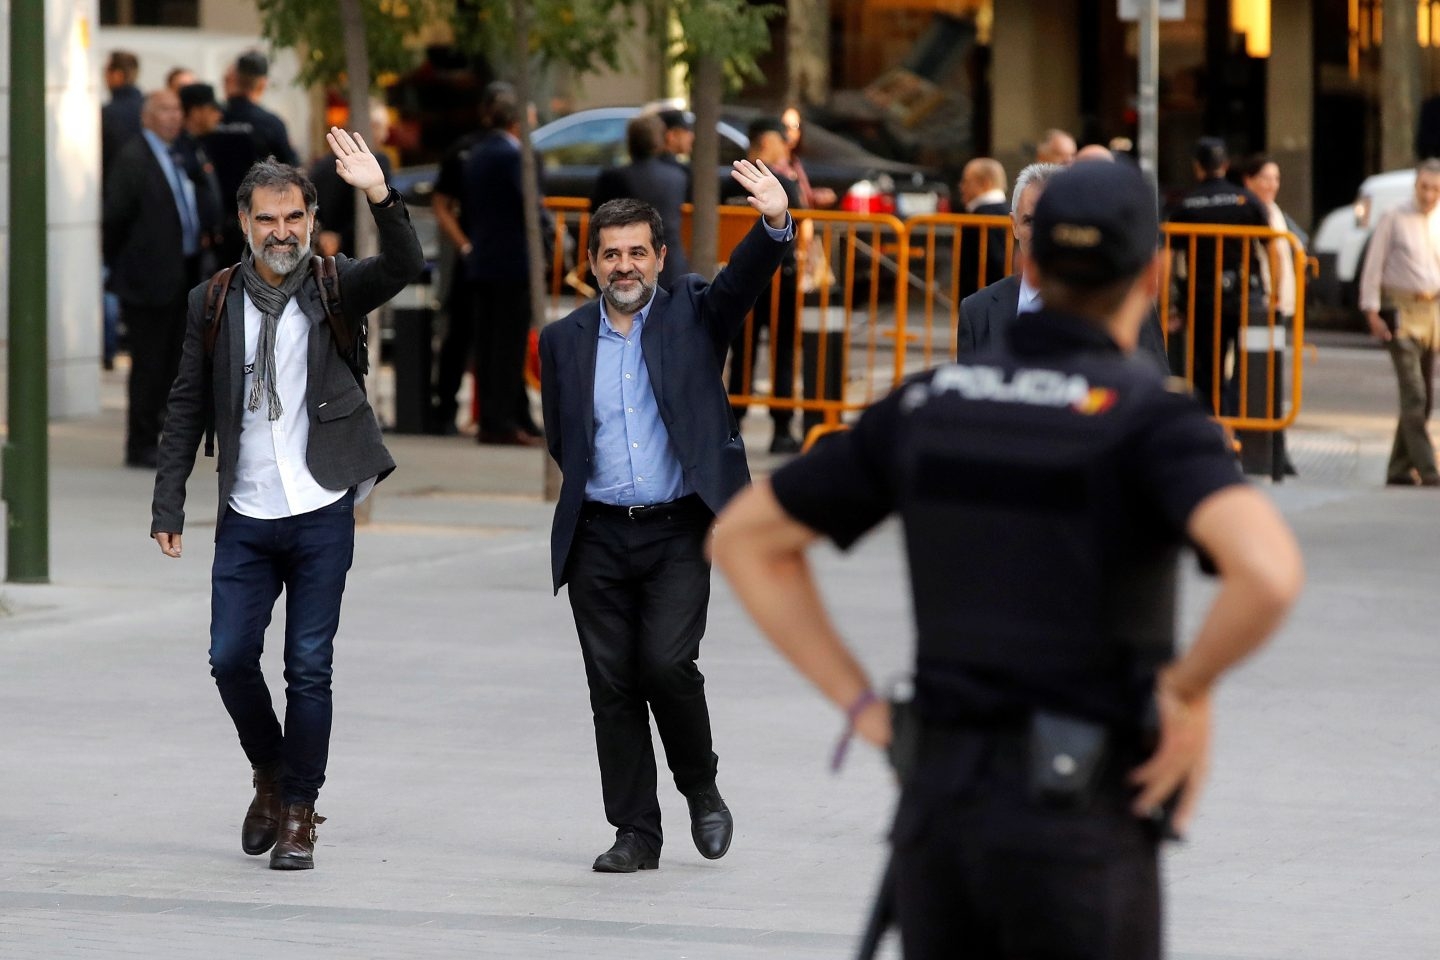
<point>463,798</point>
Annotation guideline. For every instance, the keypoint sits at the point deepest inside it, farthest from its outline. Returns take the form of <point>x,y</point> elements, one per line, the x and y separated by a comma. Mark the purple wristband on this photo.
<point>837,760</point>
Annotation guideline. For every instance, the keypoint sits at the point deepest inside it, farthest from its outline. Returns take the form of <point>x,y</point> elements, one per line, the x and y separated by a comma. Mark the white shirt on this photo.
<point>1029,298</point>
<point>272,479</point>
<point>989,196</point>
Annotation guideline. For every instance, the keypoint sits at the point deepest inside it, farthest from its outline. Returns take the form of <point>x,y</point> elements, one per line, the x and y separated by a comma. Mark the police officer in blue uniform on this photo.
<point>1046,489</point>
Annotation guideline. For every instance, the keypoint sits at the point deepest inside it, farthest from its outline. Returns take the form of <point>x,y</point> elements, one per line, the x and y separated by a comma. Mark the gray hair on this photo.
<point>1428,165</point>
<point>1036,174</point>
<point>274,175</point>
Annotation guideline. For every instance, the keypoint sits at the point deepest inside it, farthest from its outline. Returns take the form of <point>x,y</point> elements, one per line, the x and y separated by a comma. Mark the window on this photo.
<point>589,143</point>
<point>150,13</point>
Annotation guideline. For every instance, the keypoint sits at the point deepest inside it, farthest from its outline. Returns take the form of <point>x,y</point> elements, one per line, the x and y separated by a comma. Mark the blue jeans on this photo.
<point>308,555</point>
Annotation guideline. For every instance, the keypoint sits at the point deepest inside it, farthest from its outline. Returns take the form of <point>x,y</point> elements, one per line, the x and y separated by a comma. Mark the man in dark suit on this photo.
<point>987,313</point>
<point>662,184</point>
<point>152,245</point>
<point>640,425</point>
<point>201,115</point>
<point>299,445</point>
<point>245,84</point>
<point>982,190</point>
<point>498,270</point>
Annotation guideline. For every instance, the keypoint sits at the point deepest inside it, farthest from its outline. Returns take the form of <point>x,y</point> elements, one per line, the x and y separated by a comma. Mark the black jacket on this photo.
<point>970,245</point>
<point>268,129</point>
<point>686,336</point>
<point>140,230</point>
<point>663,184</point>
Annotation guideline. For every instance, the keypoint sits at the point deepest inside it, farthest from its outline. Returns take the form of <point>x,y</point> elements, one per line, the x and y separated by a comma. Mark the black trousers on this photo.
<point>639,590</point>
<point>455,351</point>
<point>779,324</point>
<point>155,335</point>
<point>979,863</point>
<point>501,311</point>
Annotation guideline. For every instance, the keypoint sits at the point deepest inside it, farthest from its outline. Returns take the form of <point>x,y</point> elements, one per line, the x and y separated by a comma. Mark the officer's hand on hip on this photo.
<point>356,165</point>
<point>1181,759</point>
<point>1378,330</point>
<point>169,544</point>
<point>873,724</point>
<point>766,193</point>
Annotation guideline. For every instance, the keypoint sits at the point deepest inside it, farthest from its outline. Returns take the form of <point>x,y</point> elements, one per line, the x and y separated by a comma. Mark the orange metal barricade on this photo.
<point>876,299</point>
<point>940,244</point>
<point>1185,297</point>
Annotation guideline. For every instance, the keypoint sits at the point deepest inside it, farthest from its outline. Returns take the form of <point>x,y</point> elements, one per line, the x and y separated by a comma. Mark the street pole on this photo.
<point>1149,81</point>
<point>24,466</point>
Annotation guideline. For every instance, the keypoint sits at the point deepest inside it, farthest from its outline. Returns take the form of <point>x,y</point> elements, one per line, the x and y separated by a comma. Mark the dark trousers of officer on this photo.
<point>308,556</point>
<point>639,590</point>
<point>456,351</point>
<point>155,334</point>
<point>501,312</point>
<point>777,321</point>
<point>1210,359</point>
<point>983,870</point>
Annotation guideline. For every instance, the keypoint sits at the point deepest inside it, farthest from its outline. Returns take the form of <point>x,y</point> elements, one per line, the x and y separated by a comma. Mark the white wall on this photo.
<point>72,231</point>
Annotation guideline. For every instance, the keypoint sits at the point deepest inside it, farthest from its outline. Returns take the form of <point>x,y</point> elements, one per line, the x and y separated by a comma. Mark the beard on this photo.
<point>627,301</point>
<point>281,257</point>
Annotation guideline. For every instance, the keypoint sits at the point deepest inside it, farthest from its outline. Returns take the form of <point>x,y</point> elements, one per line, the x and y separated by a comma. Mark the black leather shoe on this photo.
<point>262,820</point>
<point>628,855</point>
<point>711,825</point>
<point>784,443</point>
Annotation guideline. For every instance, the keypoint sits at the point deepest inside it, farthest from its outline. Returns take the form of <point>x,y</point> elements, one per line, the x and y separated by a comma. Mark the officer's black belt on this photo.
<point>689,505</point>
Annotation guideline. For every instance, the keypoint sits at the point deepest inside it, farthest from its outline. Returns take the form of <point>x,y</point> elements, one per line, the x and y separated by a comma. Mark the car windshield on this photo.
<point>599,142</point>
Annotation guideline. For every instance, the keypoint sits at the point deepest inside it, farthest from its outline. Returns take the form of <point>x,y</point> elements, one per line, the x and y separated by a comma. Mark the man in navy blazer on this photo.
<point>638,419</point>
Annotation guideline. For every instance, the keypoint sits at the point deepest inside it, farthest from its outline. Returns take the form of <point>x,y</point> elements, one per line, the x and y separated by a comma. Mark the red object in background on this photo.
<point>865,197</point>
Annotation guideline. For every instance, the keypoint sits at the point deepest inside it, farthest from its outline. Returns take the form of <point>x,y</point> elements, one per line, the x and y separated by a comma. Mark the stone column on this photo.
<point>1399,85</point>
<point>72,102</point>
<point>1290,105</point>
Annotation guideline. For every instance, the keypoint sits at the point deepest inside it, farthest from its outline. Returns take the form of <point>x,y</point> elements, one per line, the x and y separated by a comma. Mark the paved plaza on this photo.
<point>463,796</point>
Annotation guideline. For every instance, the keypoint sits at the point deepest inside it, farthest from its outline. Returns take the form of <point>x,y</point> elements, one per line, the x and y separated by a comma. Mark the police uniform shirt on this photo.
<point>1218,201</point>
<point>977,435</point>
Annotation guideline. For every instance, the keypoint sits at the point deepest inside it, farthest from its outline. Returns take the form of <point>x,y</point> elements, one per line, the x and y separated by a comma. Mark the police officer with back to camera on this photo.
<point>1215,200</point>
<point>1045,490</point>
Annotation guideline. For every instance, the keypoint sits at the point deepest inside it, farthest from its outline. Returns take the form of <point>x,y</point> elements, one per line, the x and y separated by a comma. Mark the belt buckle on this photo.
<point>630,510</point>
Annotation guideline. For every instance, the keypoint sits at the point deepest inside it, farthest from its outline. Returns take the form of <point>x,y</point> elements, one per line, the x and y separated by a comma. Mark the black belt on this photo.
<point>686,506</point>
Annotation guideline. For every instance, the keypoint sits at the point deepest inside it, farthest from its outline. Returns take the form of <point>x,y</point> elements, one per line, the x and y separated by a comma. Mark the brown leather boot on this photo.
<point>262,820</point>
<point>295,850</point>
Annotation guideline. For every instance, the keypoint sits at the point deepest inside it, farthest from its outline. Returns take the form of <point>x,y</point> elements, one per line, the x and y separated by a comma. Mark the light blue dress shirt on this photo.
<point>183,191</point>
<point>635,462</point>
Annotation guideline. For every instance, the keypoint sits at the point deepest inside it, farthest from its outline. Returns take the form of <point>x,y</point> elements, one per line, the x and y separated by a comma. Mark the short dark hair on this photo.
<point>764,125</point>
<point>622,213</point>
<point>493,92</point>
<point>643,136</point>
<point>274,175</point>
<point>250,68</point>
<point>1085,301</point>
<point>1211,155</point>
<point>124,62</point>
<point>1254,164</point>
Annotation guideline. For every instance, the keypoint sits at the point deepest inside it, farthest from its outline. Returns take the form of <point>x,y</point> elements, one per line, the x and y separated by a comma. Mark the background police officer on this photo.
<point>1079,475</point>
<point>1215,200</point>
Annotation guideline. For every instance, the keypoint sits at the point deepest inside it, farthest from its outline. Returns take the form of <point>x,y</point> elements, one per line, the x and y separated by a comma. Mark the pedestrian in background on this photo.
<point>152,240</point>
<point>982,192</point>
<point>498,269</point>
<point>119,124</point>
<point>1261,176</point>
<point>1215,200</point>
<point>246,82</point>
<point>648,177</point>
<point>299,445</point>
<point>1030,818</point>
<point>775,308</point>
<point>640,426</point>
<point>1400,296</point>
<point>1056,146</point>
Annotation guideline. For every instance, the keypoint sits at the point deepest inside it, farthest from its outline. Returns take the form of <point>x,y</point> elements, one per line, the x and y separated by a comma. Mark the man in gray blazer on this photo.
<point>299,445</point>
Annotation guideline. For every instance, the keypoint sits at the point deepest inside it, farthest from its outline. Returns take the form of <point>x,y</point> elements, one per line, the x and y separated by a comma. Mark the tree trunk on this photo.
<point>357,74</point>
<point>807,52</point>
<point>529,178</point>
<point>706,86</point>
<point>1399,86</point>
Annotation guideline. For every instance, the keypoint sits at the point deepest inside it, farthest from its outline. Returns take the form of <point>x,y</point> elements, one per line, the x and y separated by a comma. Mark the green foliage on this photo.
<point>313,29</point>
<point>583,34</point>
<point>732,31</point>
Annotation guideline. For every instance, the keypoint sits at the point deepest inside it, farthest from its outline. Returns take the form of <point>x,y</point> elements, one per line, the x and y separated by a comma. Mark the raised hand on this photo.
<point>766,193</point>
<point>356,165</point>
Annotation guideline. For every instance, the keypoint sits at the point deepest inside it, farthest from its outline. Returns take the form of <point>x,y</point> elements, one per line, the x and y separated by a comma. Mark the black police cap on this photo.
<point>1095,223</point>
<point>674,120</point>
<point>194,95</point>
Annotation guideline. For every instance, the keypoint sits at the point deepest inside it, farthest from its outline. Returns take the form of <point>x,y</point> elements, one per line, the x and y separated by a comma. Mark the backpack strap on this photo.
<point>215,295</point>
<point>213,317</point>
